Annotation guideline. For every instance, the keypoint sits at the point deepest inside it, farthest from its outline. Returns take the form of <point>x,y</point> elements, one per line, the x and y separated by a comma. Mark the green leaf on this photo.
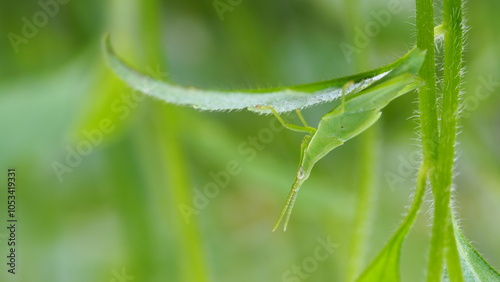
<point>385,267</point>
<point>282,99</point>
<point>474,267</point>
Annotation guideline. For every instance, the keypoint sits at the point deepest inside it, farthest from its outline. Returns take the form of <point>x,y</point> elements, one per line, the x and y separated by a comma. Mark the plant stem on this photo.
<point>443,244</point>
<point>385,266</point>
<point>429,124</point>
<point>410,218</point>
<point>427,93</point>
<point>453,48</point>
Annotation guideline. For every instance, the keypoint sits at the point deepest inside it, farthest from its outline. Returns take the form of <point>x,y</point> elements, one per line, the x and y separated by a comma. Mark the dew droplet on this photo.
<point>300,173</point>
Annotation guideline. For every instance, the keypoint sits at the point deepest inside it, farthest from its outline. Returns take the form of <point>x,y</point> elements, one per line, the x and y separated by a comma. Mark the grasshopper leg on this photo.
<point>344,90</point>
<point>301,117</point>
<point>305,128</point>
<point>287,209</point>
<point>302,174</point>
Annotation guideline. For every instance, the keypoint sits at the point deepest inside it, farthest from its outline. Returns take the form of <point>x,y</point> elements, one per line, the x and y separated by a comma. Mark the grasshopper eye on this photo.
<point>300,174</point>
<point>341,127</point>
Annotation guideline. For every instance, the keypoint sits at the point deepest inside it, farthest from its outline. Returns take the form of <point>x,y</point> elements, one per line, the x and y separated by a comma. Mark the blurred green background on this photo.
<point>113,211</point>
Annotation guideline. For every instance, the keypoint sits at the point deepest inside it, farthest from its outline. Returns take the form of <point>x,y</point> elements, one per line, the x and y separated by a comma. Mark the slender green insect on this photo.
<point>353,115</point>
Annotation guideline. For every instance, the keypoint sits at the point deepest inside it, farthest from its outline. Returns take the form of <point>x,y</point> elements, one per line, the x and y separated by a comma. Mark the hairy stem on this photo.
<point>427,93</point>
<point>443,244</point>
<point>453,48</point>
<point>429,122</point>
<point>385,266</point>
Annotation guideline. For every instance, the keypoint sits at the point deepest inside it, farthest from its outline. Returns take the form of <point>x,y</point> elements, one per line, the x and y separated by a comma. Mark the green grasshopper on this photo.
<point>354,114</point>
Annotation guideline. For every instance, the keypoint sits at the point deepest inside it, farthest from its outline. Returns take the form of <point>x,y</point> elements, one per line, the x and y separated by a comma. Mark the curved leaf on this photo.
<point>385,267</point>
<point>282,99</point>
<point>474,267</point>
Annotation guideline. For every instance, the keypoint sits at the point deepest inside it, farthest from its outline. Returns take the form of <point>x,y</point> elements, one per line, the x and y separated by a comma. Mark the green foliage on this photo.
<point>281,99</point>
<point>438,131</point>
<point>438,143</point>
<point>357,111</point>
<point>386,267</point>
<point>474,267</point>
<point>105,172</point>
